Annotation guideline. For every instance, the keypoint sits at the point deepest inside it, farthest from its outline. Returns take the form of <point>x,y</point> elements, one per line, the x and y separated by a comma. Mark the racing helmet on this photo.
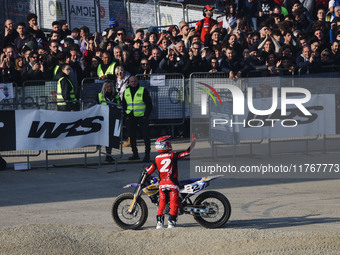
<point>163,144</point>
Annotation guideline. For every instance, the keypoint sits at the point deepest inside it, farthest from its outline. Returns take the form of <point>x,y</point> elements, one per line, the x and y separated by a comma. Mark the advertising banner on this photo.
<point>55,130</point>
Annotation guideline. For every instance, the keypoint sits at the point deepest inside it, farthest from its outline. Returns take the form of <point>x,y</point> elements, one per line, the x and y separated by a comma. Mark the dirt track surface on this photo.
<point>67,211</point>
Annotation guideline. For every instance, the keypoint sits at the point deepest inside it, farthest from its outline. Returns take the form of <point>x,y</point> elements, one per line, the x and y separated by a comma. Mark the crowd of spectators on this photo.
<point>272,35</point>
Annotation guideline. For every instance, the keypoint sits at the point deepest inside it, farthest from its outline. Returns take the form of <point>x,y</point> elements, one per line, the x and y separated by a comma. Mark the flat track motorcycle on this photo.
<point>210,209</point>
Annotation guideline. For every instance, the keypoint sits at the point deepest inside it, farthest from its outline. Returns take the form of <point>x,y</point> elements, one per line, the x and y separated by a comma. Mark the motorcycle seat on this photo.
<point>182,183</point>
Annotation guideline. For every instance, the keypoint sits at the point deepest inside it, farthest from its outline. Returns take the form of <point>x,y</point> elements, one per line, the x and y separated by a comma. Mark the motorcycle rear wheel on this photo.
<point>123,218</point>
<point>218,206</point>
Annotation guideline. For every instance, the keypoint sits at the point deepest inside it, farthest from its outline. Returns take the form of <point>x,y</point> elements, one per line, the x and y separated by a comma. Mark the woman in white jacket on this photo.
<point>122,83</point>
<point>122,80</point>
<point>229,20</point>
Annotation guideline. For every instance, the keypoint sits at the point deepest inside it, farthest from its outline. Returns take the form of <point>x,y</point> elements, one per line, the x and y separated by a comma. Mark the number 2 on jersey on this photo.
<point>165,165</point>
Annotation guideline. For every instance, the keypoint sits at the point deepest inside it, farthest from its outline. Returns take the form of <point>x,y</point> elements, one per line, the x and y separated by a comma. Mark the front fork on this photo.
<point>137,194</point>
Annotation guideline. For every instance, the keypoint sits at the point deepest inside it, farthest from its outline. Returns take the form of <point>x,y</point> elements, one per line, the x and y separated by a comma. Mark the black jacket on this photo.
<point>29,74</point>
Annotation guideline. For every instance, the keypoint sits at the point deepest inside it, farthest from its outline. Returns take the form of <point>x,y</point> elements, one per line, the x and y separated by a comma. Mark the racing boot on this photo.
<point>160,221</point>
<point>172,221</point>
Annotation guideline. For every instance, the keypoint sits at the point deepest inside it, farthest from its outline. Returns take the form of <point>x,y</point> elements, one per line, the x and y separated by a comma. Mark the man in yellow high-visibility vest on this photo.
<point>106,70</point>
<point>137,105</point>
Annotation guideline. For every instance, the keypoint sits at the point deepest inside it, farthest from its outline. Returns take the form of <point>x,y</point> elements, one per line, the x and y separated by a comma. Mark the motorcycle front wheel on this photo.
<point>121,215</point>
<point>218,209</point>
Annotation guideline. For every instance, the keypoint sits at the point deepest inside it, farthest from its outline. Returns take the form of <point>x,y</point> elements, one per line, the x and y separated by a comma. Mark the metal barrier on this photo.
<point>89,149</point>
<point>142,14</point>
<point>262,87</point>
<point>327,71</point>
<point>90,87</point>
<point>333,90</point>
<point>38,94</point>
<point>167,98</point>
<point>13,101</point>
<point>42,95</point>
<point>208,78</point>
<point>10,90</point>
<point>120,10</point>
<point>170,13</point>
<point>267,73</point>
<point>84,150</point>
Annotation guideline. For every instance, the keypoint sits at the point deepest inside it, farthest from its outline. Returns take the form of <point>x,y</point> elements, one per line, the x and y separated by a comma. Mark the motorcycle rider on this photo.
<point>166,163</point>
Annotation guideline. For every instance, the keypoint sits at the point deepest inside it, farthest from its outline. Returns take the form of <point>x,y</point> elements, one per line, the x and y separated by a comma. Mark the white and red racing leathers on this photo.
<point>166,163</point>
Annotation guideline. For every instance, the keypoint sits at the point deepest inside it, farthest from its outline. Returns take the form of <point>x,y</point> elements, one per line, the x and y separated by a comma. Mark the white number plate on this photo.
<point>193,188</point>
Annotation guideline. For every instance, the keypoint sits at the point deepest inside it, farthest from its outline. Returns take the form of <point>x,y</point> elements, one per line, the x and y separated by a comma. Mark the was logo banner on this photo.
<point>54,130</point>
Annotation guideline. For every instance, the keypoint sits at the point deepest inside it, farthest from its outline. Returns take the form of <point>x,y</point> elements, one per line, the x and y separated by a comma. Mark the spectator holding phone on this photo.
<point>10,33</point>
<point>34,69</point>
<point>7,71</point>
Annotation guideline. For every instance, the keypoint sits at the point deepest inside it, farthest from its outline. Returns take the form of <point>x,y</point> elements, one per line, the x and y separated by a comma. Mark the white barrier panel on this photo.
<point>167,95</point>
<point>50,11</point>
<point>84,14</point>
<point>142,15</point>
<point>170,14</point>
<point>194,13</point>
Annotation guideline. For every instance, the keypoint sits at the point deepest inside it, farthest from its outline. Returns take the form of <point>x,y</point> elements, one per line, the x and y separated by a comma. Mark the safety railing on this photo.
<point>323,71</point>
<point>90,87</point>
<point>167,92</point>
<point>11,92</point>
<point>266,73</point>
<point>262,88</point>
<point>13,101</point>
<point>197,79</point>
<point>171,96</point>
<point>37,94</point>
<point>42,95</point>
<point>170,13</point>
<point>92,149</point>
